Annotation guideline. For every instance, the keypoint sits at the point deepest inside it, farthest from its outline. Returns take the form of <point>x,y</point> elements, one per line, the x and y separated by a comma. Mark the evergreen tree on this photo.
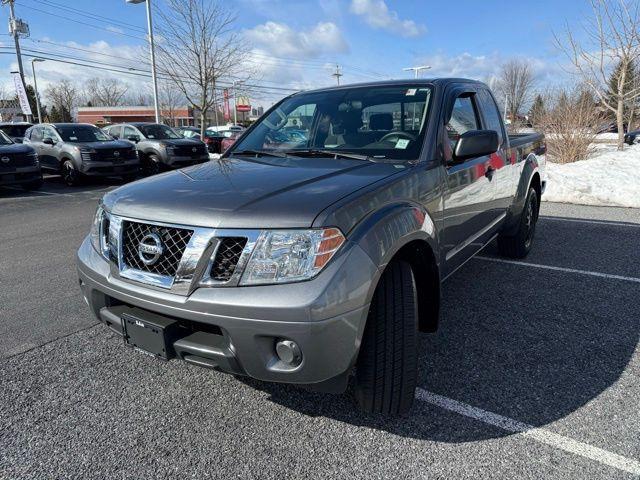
<point>537,110</point>
<point>630,83</point>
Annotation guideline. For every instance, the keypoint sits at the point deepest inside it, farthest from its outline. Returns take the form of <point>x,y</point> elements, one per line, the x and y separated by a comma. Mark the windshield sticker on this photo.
<point>402,143</point>
<point>411,92</point>
<point>73,139</point>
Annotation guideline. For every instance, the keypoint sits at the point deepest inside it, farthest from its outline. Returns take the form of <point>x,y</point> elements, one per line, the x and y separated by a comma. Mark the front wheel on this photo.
<point>70,175</point>
<point>386,372</point>
<point>151,165</point>
<point>519,245</point>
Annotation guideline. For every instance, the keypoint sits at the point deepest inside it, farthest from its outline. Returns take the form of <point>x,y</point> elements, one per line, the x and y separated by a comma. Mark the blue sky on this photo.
<point>370,39</point>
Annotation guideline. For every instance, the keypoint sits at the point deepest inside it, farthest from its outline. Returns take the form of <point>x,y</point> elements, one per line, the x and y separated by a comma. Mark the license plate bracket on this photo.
<point>153,335</point>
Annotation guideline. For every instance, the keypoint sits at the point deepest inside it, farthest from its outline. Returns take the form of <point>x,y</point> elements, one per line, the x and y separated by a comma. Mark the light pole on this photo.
<point>153,55</point>
<point>417,69</point>
<point>35,86</point>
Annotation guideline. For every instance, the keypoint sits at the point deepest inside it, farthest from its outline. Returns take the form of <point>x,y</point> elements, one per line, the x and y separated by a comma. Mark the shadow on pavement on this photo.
<point>534,346</point>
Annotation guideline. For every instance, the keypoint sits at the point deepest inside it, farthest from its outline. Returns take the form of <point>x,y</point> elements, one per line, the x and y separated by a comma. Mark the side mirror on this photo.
<point>48,141</point>
<point>133,138</point>
<point>476,143</point>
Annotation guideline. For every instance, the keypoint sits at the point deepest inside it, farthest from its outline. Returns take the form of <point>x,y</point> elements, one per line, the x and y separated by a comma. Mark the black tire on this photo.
<point>33,185</point>
<point>386,372</point>
<point>151,165</point>
<point>519,245</point>
<point>70,175</point>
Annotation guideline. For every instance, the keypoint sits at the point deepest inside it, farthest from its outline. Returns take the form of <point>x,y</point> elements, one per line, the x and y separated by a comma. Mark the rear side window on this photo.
<point>491,113</point>
<point>36,134</point>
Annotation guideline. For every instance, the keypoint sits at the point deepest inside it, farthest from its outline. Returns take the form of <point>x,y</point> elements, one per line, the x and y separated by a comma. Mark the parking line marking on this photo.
<point>539,434</point>
<point>597,222</point>
<point>561,269</point>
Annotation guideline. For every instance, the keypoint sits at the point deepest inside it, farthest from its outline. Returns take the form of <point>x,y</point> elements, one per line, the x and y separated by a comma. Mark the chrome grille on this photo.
<point>174,241</point>
<point>227,258</point>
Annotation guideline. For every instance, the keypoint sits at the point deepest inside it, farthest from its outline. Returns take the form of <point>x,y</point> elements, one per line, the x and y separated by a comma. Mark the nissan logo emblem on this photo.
<point>5,159</point>
<point>116,154</point>
<point>194,149</point>
<point>150,248</point>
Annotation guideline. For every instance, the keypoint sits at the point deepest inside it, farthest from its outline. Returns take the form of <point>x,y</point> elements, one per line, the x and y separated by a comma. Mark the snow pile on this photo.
<point>608,178</point>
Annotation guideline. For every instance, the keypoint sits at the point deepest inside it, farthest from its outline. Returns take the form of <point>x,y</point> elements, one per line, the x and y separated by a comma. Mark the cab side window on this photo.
<point>463,118</point>
<point>130,132</point>
<point>491,114</point>
<point>48,132</point>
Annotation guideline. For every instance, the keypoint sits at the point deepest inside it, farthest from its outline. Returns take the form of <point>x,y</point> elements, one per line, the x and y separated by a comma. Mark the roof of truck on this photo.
<point>399,82</point>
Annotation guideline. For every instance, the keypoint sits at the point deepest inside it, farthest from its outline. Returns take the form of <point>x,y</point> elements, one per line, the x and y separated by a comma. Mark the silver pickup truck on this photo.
<point>312,258</point>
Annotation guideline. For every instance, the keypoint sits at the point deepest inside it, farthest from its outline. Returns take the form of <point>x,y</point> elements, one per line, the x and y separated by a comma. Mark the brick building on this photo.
<point>100,116</point>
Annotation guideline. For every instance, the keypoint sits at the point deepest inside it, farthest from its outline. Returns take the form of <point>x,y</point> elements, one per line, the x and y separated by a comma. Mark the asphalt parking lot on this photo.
<point>534,372</point>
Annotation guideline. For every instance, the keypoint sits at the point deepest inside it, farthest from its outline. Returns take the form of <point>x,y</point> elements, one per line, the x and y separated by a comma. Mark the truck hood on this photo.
<point>174,142</point>
<point>106,145</point>
<point>246,192</point>
<point>16,149</point>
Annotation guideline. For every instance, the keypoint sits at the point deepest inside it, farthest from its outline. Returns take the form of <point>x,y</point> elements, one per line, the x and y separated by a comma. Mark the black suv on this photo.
<point>159,146</point>
<point>18,164</point>
<point>79,150</point>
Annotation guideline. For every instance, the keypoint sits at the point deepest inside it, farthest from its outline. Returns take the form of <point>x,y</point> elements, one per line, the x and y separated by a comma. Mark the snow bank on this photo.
<point>608,178</point>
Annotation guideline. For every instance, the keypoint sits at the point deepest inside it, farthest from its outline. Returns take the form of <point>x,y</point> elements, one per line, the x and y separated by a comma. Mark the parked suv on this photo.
<point>310,259</point>
<point>15,130</point>
<point>19,164</point>
<point>159,146</point>
<point>79,150</point>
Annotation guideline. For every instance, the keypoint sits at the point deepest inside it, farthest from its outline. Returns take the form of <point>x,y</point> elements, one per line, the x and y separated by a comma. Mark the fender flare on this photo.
<point>529,170</point>
<point>385,232</point>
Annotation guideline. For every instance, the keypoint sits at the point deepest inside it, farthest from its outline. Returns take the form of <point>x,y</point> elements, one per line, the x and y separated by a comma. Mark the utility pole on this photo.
<point>337,74</point>
<point>416,70</point>
<point>152,49</point>
<point>35,86</point>
<point>16,27</point>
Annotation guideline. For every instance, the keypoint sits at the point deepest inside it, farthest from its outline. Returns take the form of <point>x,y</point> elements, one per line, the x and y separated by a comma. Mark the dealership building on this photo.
<point>180,116</point>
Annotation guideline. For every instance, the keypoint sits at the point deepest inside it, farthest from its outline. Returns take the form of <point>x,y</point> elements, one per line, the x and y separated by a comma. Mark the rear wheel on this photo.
<point>386,371</point>
<point>151,165</point>
<point>519,245</point>
<point>70,175</point>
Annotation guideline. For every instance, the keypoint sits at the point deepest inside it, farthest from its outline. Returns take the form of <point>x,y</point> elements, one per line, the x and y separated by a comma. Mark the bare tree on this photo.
<point>199,47</point>
<point>64,96</point>
<point>612,37</point>
<point>170,98</point>
<point>515,83</point>
<point>105,92</point>
<point>569,123</point>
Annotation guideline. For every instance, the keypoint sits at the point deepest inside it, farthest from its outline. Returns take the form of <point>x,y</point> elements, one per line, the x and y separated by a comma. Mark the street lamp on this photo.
<point>153,55</point>
<point>35,86</point>
<point>416,69</point>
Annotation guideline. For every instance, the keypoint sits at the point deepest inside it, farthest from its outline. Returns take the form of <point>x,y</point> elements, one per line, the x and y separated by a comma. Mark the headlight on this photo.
<point>100,232</point>
<point>86,150</point>
<point>283,256</point>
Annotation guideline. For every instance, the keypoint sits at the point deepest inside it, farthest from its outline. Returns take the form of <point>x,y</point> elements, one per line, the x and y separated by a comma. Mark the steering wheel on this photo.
<point>396,135</point>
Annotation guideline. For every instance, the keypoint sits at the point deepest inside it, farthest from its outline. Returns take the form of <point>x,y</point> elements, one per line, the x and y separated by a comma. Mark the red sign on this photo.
<point>243,108</point>
<point>227,110</point>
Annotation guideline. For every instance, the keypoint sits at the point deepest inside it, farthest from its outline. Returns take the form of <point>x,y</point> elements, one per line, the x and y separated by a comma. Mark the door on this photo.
<point>504,175</point>
<point>468,210</point>
<point>49,153</point>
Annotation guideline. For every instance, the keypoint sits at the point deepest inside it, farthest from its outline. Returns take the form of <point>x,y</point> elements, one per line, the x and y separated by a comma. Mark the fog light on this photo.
<point>289,352</point>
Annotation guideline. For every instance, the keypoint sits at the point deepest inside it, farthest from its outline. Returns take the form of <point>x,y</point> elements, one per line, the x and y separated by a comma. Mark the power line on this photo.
<point>84,23</point>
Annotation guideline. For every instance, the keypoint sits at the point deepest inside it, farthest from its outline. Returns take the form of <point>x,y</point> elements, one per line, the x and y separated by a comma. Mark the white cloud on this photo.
<point>377,14</point>
<point>281,40</point>
<point>114,29</point>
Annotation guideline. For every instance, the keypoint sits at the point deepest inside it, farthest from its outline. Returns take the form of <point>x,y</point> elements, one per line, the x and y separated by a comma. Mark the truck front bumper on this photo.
<point>20,175</point>
<point>235,329</point>
<point>108,169</point>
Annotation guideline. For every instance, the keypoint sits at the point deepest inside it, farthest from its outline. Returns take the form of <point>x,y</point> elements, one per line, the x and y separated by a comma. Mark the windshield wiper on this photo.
<point>331,153</point>
<point>260,152</point>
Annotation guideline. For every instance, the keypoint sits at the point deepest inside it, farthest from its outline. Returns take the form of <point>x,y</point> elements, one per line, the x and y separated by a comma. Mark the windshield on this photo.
<point>82,133</point>
<point>381,122</point>
<point>158,132</point>
<point>4,139</point>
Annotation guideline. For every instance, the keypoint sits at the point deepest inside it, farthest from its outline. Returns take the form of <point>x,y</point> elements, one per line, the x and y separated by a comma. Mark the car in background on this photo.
<point>160,147</point>
<point>189,132</point>
<point>229,140</point>
<point>19,164</point>
<point>15,130</point>
<point>631,137</point>
<point>213,139</point>
<point>81,150</point>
